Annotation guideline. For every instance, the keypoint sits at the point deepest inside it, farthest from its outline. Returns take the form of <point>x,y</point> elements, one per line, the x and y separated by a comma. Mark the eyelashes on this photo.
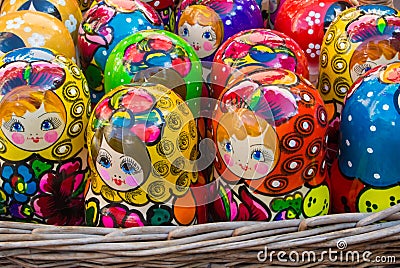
<point>104,159</point>
<point>11,123</point>
<point>56,122</point>
<point>129,166</point>
<point>259,153</point>
<point>362,68</point>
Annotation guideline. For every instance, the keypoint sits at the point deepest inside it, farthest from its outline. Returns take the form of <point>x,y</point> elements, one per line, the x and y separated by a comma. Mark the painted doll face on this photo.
<point>248,158</point>
<point>118,171</point>
<point>34,131</point>
<point>361,68</point>
<point>202,38</point>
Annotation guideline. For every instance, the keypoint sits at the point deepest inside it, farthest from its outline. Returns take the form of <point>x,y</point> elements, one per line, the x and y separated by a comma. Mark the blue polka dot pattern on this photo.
<point>369,132</point>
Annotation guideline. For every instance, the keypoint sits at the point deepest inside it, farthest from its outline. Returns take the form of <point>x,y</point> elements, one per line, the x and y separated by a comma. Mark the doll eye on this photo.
<point>228,147</point>
<point>363,68</point>
<point>129,166</point>
<point>184,31</point>
<point>50,123</point>
<point>17,127</point>
<point>47,125</point>
<point>258,156</point>
<point>209,35</point>
<point>104,159</point>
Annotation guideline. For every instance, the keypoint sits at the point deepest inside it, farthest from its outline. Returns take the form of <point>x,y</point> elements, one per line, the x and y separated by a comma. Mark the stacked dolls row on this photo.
<point>161,113</point>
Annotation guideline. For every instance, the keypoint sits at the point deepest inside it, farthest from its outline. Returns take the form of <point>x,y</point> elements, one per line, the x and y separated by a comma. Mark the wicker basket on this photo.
<point>352,239</point>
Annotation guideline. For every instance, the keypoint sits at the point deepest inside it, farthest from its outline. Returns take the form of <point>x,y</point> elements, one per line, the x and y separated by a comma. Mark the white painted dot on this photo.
<point>318,52</point>
<point>349,118</point>
<point>228,22</point>
<point>27,29</point>
<point>347,142</point>
<point>140,21</point>
<point>310,172</point>
<point>311,13</point>
<point>108,73</point>
<point>306,97</point>
<point>372,128</point>
<point>252,7</point>
<point>104,52</point>
<point>322,4</point>
<point>393,123</point>
<point>156,3</point>
<point>215,77</point>
<point>308,18</point>
<point>310,31</point>
<point>370,94</point>
<point>377,176</point>
<point>370,150</point>
<point>308,50</point>
<point>276,184</point>
<point>310,23</point>
<point>312,55</point>
<point>317,21</point>
<point>349,163</point>
<point>148,27</point>
<point>292,143</point>
<point>314,149</point>
<point>223,69</point>
<point>317,15</point>
<point>293,165</point>
<point>122,80</point>
<point>311,45</point>
<point>317,46</point>
<point>62,149</point>
<point>128,20</point>
<point>239,8</point>
<point>385,107</point>
<point>305,125</point>
<point>323,118</point>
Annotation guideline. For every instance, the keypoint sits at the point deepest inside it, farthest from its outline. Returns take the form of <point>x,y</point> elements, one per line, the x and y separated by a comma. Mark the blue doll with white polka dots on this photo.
<point>369,147</point>
<point>103,26</point>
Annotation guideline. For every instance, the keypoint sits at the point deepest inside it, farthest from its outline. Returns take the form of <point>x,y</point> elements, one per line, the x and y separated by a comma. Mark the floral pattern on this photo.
<point>225,208</point>
<point>18,182</point>
<point>60,200</point>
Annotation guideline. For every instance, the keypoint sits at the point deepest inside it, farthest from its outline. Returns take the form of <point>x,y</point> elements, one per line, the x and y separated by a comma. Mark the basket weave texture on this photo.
<point>223,244</point>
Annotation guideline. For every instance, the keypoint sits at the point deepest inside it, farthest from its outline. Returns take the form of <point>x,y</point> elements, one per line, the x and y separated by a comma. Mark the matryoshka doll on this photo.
<point>359,39</point>
<point>68,12</point>
<point>306,22</point>
<point>256,47</point>
<point>142,142</point>
<point>103,26</point>
<point>270,132</point>
<point>146,53</point>
<point>366,176</point>
<point>206,24</point>
<point>27,28</point>
<point>44,111</point>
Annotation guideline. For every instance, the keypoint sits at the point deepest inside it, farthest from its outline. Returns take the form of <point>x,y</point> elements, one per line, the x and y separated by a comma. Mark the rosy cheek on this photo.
<point>104,174</point>
<point>228,160</point>
<point>208,46</point>
<point>131,181</point>
<point>18,138</point>
<point>51,136</point>
<point>261,168</point>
